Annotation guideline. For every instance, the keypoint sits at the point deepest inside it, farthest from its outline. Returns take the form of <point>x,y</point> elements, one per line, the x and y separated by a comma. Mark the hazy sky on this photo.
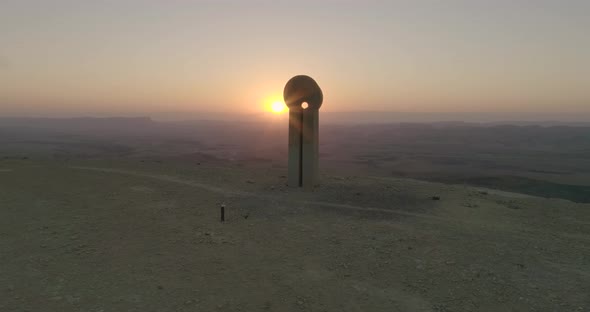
<point>142,56</point>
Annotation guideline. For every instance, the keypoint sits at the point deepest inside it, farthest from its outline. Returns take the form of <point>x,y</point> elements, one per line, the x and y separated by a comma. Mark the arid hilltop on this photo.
<point>121,235</point>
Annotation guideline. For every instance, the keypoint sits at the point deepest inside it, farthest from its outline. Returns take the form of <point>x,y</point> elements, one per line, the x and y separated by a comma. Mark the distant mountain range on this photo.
<point>89,123</point>
<point>574,120</point>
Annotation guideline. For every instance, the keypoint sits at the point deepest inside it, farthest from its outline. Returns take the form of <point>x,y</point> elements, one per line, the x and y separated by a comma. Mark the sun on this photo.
<point>274,104</point>
<point>277,107</point>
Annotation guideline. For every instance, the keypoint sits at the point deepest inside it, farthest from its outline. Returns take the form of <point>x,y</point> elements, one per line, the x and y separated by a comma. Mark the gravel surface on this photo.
<point>131,236</point>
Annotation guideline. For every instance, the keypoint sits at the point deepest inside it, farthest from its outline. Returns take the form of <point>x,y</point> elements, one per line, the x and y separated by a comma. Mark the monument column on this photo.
<point>304,98</point>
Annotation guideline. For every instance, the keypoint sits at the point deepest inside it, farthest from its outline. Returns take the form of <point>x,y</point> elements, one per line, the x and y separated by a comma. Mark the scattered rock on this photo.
<point>511,204</point>
<point>440,308</point>
<point>71,299</point>
<point>435,197</point>
<point>250,182</point>
<point>160,287</point>
<point>300,301</point>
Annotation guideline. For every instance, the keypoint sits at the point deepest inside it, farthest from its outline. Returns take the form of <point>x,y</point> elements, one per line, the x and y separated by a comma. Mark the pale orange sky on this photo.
<point>121,57</point>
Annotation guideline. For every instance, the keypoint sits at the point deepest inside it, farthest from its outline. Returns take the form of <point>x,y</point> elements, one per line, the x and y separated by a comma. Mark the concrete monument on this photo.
<point>304,98</point>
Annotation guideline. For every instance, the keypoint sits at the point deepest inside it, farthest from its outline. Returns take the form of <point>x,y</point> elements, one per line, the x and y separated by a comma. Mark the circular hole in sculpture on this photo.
<point>304,105</point>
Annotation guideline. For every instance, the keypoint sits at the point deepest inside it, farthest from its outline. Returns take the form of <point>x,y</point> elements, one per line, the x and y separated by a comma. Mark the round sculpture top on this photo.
<point>300,89</point>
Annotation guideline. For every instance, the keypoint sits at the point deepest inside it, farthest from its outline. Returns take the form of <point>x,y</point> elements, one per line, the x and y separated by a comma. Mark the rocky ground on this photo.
<point>146,236</point>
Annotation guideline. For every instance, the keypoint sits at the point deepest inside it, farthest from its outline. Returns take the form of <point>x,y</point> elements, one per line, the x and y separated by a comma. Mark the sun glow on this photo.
<point>277,107</point>
<point>273,104</point>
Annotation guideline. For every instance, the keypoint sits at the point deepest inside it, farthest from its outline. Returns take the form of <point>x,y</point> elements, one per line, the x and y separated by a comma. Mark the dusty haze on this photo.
<point>132,57</point>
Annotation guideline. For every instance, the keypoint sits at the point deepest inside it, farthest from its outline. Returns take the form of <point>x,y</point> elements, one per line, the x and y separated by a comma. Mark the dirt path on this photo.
<point>225,191</point>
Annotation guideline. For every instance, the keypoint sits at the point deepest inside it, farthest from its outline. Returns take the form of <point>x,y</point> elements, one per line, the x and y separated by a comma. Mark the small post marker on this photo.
<point>222,208</point>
